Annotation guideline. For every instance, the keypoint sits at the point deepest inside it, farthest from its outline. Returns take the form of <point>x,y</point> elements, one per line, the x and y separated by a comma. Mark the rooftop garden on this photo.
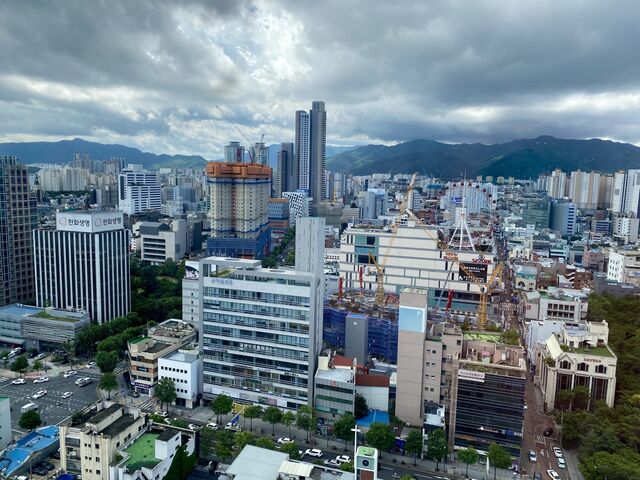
<point>142,452</point>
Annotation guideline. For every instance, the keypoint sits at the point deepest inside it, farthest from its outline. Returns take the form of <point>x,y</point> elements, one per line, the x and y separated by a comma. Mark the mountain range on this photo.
<point>525,158</point>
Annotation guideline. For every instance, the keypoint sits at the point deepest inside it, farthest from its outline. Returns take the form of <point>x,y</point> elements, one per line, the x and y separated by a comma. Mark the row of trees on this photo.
<point>272,260</point>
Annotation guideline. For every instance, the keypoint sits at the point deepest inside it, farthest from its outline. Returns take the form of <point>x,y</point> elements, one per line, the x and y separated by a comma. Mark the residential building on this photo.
<point>299,205</point>
<point>372,203</point>
<point>557,184</point>
<point>584,189</point>
<point>310,246</point>
<point>335,387</point>
<point>160,241</point>
<point>90,441</point>
<point>6,437</point>
<point>311,140</point>
<point>18,217</point>
<point>626,226</point>
<point>184,368</point>
<point>139,190</point>
<point>278,214</point>
<point>234,153</point>
<point>287,176</point>
<point>57,178</point>
<point>259,153</point>
<point>262,332</point>
<point>83,264</point>
<point>145,352</point>
<point>563,218</point>
<point>239,209</point>
<point>626,192</point>
<point>303,148</point>
<point>576,356</point>
<point>624,266</point>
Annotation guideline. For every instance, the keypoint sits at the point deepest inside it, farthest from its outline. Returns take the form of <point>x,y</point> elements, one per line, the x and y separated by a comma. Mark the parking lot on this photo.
<point>52,407</point>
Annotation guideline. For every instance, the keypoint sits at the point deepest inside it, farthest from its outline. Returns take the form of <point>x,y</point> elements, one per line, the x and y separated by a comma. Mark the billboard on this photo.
<point>191,270</point>
<point>92,222</point>
<point>478,270</point>
<point>471,375</point>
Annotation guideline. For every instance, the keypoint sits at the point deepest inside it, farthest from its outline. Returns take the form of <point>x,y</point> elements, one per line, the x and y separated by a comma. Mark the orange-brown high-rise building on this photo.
<point>239,209</point>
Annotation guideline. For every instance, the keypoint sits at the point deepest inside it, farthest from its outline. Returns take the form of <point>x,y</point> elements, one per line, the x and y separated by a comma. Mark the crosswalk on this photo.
<point>150,405</point>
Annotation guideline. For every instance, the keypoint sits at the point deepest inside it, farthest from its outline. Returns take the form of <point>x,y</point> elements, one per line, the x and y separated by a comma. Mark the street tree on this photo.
<point>224,444</point>
<point>288,419</point>
<point>251,412</point>
<point>222,405</point>
<point>20,365</point>
<point>165,392</point>
<point>347,467</point>
<point>413,445</point>
<point>241,440</point>
<point>30,420</point>
<point>272,415</point>
<point>305,419</point>
<point>381,436</point>
<point>436,446</point>
<point>37,366</point>
<point>498,457</point>
<point>292,449</point>
<point>108,383</point>
<point>342,428</point>
<point>361,409</point>
<point>107,361</point>
<point>264,442</point>
<point>468,456</point>
<point>207,442</point>
<point>69,347</point>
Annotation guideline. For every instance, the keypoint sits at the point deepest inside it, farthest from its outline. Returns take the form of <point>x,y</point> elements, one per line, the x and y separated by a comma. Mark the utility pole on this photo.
<point>355,431</point>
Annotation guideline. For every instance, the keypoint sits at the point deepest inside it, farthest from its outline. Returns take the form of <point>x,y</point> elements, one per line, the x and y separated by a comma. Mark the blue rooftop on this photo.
<point>14,456</point>
<point>20,309</point>
<point>375,416</point>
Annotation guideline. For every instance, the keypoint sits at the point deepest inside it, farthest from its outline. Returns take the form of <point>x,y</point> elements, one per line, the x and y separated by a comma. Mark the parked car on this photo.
<point>561,463</point>
<point>161,414</point>
<point>548,432</point>
<point>332,463</point>
<point>67,394</point>
<point>69,373</point>
<point>19,381</point>
<point>39,394</point>
<point>213,425</point>
<point>553,475</point>
<point>40,356</point>
<point>284,440</point>
<point>83,382</point>
<point>233,427</point>
<point>313,452</point>
<point>343,459</point>
<point>533,458</point>
<point>557,452</point>
<point>193,427</point>
<point>41,380</point>
<point>91,364</point>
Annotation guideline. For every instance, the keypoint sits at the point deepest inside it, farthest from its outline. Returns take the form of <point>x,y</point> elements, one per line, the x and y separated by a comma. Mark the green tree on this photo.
<point>407,477</point>
<point>292,449</point>
<point>251,412</point>
<point>69,348</point>
<point>165,392</point>
<point>37,366</point>
<point>468,456</point>
<point>581,398</point>
<point>107,361</point>
<point>413,444</point>
<point>381,436</point>
<point>264,442</point>
<point>272,415</point>
<point>361,409</point>
<point>30,420</point>
<point>181,465</point>
<point>20,365</point>
<point>180,423</point>
<point>436,446</point>
<point>305,419</point>
<point>498,457</point>
<point>207,442</point>
<point>288,419</point>
<point>4,355</point>
<point>241,440</point>
<point>621,465</point>
<point>291,258</point>
<point>158,418</point>
<point>347,467</point>
<point>342,428</point>
<point>221,405</point>
<point>108,383</point>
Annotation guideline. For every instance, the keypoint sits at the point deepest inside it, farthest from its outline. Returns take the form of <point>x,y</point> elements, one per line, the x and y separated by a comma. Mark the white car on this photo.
<point>343,459</point>
<point>557,452</point>
<point>41,380</point>
<point>193,427</point>
<point>553,475</point>
<point>19,381</point>
<point>67,394</point>
<point>161,414</point>
<point>284,440</point>
<point>38,394</point>
<point>70,373</point>
<point>533,458</point>
<point>313,452</point>
<point>332,463</point>
<point>40,356</point>
<point>213,425</point>
<point>91,364</point>
<point>561,463</point>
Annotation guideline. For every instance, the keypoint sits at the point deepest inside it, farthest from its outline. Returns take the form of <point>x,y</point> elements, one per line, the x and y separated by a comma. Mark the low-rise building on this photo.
<point>335,387</point>
<point>184,368</point>
<point>160,241</point>
<point>624,266</point>
<point>5,422</point>
<point>526,277</point>
<point>557,304</point>
<point>16,460</point>
<point>374,389</point>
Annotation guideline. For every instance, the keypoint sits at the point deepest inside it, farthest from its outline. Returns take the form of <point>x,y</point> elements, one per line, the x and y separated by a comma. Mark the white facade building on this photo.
<point>262,332</point>
<point>6,436</point>
<point>303,148</point>
<point>84,264</point>
<point>299,205</point>
<point>138,190</point>
<point>624,266</point>
<point>184,368</point>
<point>626,226</point>
<point>162,241</point>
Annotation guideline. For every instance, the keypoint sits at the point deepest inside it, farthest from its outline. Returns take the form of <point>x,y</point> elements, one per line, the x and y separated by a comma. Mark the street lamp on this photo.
<point>355,431</point>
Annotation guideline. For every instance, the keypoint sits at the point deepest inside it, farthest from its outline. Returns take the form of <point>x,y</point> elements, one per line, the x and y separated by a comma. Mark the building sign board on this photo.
<point>94,222</point>
<point>471,375</point>
<point>478,270</point>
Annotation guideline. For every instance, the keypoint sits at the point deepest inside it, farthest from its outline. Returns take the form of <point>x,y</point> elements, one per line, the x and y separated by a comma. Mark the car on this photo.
<point>193,427</point>
<point>284,440</point>
<point>67,394</point>
<point>313,452</point>
<point>553,475</point>
<point>40,356</point>
<point>213,425</point>
<point>233,427</point>
<point>83,382</point>
<point>69,373</point>
<point>557,452</point>
<point>548,432</point>
<point>19,381</point>
<point>41,380</point>
<point>161,414</point>
<point>38,394</point>
<point>343,459</point>
<point>332,463</point>
<point>91,365</point>
<point>48,465</point>
<point>533,458</point>
<point>562,463</point>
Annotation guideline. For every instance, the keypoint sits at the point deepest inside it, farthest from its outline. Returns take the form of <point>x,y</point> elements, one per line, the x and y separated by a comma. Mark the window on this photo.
<point>565,365</point>
<point>583,367</point>
<point>601,369</point>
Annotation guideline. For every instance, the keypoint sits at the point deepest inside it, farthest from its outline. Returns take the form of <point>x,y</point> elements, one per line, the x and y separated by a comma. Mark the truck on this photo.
<point>28,407</point>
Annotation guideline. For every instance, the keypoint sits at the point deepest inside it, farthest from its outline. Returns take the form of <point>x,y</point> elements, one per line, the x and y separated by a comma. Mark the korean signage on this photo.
<point>471,375</point>
<point>89,222</point>
<point>478,270</point>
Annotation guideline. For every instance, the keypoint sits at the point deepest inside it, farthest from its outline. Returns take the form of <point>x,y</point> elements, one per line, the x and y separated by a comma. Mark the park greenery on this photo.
<point>608,439</point>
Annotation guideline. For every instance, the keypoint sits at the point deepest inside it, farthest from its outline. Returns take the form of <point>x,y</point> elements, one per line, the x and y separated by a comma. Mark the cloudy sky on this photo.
<point>175,76</point>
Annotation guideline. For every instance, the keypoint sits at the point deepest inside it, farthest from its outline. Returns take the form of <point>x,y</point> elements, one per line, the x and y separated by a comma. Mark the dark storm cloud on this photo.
<point>150,73</point>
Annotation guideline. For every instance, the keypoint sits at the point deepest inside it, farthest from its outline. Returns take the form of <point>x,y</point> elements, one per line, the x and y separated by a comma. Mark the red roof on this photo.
<point>341,361</point>
<point>369,380</point>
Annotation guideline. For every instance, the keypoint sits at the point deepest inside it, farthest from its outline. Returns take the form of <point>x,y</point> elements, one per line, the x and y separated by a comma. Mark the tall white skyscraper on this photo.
<point>84,264</point>
<point>311,150</point>
<point>625,196</point>
<point>303,143</point>
<point>138,190</point>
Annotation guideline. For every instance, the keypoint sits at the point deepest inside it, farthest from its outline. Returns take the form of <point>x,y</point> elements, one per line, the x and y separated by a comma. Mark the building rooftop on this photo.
<point>14,456</point>
<point>337,374</point>
<point>142,452</point>
<point>104,413</point>
<point>491,337</point>
<point>172,328</point>
<point>119,425</point>
<point>20,310</point>
<point>254,463</point>
<point>368,380</point>
<point>181,356</point>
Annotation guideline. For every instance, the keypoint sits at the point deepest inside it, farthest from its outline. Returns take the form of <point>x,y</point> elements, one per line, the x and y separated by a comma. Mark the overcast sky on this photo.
<point>150,73</point>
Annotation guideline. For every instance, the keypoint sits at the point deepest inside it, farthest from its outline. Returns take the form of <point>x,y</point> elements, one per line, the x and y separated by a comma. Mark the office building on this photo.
<point>278,217</point>
<point>183,367</point>
<point>239,209</point>
<point>286,179</point>
<point>311,145</point>
<point>6,437</point>
<point>310,245</point>
<point>90,441</point>
<point>626,226</point>
<point>335,386</point>
<point>303,149</point>
<point>563,217</point>
<point>145,352</point>
<point>162,241</point>
<point>262,332</point>
<point>17,220</point>
<point>139,190</point>
<point>83,264</point>
<point>624,266</point>
<point>299,205</point>
<point>536,211</point>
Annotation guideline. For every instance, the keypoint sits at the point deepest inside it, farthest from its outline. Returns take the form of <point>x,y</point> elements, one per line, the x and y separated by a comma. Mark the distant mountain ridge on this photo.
<point>62,152</point>
<point>525,158</point>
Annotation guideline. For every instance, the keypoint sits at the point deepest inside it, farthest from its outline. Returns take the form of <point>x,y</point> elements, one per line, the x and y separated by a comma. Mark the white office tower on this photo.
<point>138,190</point>
<point>261,332</point>
<point>303,148</point>
<point>84,264</point>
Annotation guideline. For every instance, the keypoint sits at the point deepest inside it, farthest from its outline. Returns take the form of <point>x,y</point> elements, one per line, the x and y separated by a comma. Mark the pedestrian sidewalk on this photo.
<point>572,465</point>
